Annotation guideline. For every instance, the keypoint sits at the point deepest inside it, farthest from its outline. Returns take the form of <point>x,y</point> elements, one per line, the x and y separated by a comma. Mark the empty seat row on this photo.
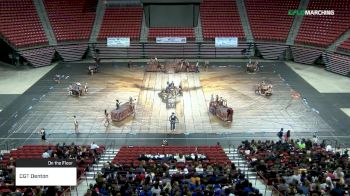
<point>345,46</point>
<point>171,32</point>
<point>122,21</point>
<point>70,20</point>
<point>322,31</point>
<point>220,18</point>
<point>275,23</point>
<point>21,28</point>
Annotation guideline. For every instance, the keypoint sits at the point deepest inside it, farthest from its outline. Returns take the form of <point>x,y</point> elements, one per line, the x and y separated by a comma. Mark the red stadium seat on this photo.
<point>322,31</point>
<point>70,20</point>
<point>121,22</point>
<point>21,28</point>
<point>269,20</point>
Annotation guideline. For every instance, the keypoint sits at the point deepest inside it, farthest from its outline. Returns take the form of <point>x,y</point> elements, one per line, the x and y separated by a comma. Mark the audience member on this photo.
<point>94,146</point>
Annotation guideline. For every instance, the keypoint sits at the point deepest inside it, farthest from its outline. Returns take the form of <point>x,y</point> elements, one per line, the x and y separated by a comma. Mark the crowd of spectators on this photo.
<point>84,155</point>
<point>299,167</point>
<point>174,177</point>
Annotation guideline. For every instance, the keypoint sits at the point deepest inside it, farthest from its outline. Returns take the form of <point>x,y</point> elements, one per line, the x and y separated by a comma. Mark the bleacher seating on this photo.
<point>71,20</point>
<point>291,166</point>
<point>220,18</point>
<point>121,22</point>
<point>20,24</point>
<point>171,32</point>
<point>337,63</point>
<point>322,31</point>
<point>345,46</point>
<point>172,175</point>
<point>269,20</point>
<point>127,155</point>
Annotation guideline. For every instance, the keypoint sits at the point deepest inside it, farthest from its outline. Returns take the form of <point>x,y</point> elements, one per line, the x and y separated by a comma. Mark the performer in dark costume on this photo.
<point>117,104</point>
<point>43,135</point>
<point>173,119</point>
<point>129,65</point>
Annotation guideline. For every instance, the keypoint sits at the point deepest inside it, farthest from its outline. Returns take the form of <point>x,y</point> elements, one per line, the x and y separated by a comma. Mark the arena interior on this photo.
<point>177,97</point>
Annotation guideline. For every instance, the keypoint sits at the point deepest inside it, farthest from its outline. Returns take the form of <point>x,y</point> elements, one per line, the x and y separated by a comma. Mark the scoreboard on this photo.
<point>171,13</point>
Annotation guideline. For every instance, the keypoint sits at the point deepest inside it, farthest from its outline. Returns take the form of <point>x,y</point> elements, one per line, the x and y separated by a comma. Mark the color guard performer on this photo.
<point>173,119</point>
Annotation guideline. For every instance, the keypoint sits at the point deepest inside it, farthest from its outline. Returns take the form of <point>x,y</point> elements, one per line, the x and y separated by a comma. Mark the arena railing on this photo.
<point>272,188</point>
<point>199,44</point>
<point>6,145</point>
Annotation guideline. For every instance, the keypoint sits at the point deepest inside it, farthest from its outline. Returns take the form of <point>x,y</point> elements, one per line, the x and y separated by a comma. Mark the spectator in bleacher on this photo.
<point>197,187</point>
<point>280,134</point>
<point>287,136</point>
<point>337,190</point>
<point>94,146</point>
<point>49,150</point>
<point>156,190</point>
<point>46,155</point>
<point>315,190</point>
<point>338,173</point>
<point>199,169</point>
<point>167,188</point>
<point>301,144</point>
<point>195,178</point>
<point>180,158</point>
<point>209,170</point>
<point>329,148</point>
<point>299,193</point>
<point>283,187</point>
<point>249,189</point>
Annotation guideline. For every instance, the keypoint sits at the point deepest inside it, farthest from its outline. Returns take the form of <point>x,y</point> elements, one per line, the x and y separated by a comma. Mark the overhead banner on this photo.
<point>171,40</point>
<point>226,42</point>
<point>118,42</point>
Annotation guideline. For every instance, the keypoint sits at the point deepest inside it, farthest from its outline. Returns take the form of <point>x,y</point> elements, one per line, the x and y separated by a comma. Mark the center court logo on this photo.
<point>311,12</point>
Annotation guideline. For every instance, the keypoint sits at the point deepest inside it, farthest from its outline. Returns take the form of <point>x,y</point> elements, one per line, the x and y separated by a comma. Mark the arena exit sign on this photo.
<point>46,172</point>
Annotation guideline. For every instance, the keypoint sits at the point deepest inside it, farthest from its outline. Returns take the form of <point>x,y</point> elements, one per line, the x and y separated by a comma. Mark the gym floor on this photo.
<point>323,105</point>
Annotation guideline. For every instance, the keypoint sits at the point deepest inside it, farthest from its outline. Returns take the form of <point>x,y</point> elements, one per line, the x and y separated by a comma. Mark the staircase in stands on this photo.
<point>107,156</point>
<point>244,20</point>
<point>100,12</point>
<point>90,176</point>
<point>144,30</point>
<point>198,31</point>
<point>340,40</point>
<point>294,29</point>
<point>250,172</point>
<point>44,19</point>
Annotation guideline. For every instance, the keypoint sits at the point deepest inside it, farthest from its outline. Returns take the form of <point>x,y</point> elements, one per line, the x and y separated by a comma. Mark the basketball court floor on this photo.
<point>305,100</point>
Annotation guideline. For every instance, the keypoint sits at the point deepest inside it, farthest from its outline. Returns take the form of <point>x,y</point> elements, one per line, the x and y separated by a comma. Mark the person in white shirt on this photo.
<point>199,169</point>
<point>86,87</point>
<point>197,67</point>
<point>45,155</point>
<point>156,189</point>
<point>180,158</point>
<point>329,148</point>
<point>94,146</point>
<point>185,171</point>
